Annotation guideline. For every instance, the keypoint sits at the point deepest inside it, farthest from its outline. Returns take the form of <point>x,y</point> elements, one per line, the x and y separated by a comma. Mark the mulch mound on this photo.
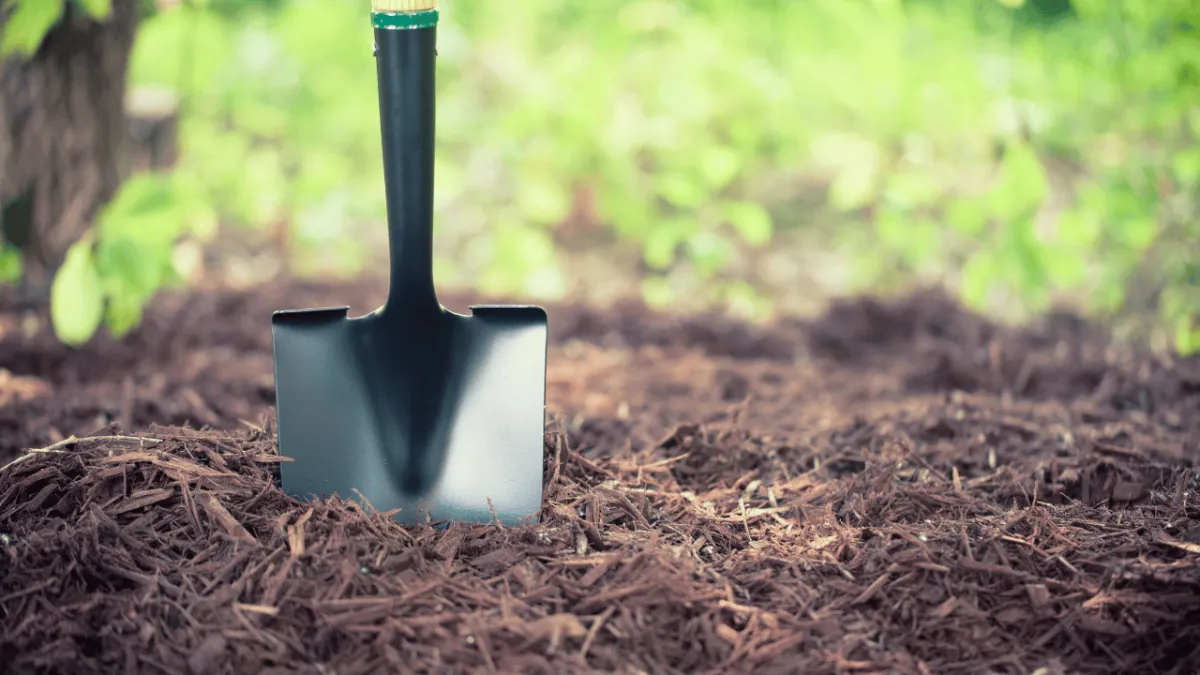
<point>895,487</point>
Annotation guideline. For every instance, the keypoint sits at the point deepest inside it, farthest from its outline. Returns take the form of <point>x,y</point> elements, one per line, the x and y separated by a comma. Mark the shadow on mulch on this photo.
<point>896,487</point>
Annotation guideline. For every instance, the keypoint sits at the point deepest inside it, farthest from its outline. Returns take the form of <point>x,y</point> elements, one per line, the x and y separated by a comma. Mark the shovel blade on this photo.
<point>436,414</point>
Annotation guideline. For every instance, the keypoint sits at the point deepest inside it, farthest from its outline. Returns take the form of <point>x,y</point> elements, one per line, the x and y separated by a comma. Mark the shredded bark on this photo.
<point>913,490</point>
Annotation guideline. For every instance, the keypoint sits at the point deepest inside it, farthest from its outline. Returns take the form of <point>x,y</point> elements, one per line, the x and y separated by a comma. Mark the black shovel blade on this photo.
<point>434,413</point>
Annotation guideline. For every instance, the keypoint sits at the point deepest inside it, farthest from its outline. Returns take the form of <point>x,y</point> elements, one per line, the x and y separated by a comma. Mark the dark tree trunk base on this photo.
<point>62,133</point>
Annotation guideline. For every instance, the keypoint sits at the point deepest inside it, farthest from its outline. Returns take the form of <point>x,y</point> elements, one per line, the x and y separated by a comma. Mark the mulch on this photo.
<point>899,487</point>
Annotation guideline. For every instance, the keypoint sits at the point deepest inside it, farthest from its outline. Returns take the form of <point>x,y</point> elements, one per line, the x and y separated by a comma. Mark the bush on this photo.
<point>1029,152</point>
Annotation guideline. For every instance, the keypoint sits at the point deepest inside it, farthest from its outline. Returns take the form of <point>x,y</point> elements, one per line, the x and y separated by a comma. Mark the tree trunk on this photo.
<point>62,134</point>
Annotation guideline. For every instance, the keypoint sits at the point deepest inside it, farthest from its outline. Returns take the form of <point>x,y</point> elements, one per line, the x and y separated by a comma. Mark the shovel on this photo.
<point>413,408</point>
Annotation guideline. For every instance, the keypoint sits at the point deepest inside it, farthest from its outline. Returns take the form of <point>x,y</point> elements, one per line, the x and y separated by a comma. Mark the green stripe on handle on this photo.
<point>405,20</point>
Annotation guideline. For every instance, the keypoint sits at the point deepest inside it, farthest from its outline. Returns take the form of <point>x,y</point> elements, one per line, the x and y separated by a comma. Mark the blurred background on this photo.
<point>755,157</point>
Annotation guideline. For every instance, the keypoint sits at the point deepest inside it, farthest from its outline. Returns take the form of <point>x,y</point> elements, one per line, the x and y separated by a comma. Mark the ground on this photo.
<point>892,487</point>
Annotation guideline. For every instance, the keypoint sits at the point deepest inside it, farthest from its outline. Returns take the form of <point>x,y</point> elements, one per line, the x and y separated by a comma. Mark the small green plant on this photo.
<point>110,274</point>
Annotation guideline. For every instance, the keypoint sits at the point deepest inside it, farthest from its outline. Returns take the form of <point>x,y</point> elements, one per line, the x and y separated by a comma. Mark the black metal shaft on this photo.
<point>405,60</point>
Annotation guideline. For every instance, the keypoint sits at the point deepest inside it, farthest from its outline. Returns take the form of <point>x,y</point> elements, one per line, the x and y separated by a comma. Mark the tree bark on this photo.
<point>63,134</point>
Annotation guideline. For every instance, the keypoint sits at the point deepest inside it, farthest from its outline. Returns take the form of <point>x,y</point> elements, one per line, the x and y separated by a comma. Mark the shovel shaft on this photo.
<point>405,60</point>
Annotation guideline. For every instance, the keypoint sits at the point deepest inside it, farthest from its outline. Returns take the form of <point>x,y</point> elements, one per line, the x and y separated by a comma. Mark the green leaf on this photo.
<point>1022,186</point>
<point>1065,268</point>
<point>853,188</point>
<point>124,311</point>
<point>28,25</point>
<point>856,162</point>
<point>157,58</point>
<point>1022,251</point>
<point>1078,229</point>
<point>661,243</point>
<point>137,232</point>
<point>967,216</point>
<point>917,240</point>
<point>1092,9</point>
<point>629,215</point>
<point>719,165</point>
<point>542,198</point>
<point>148,207</point>
<point>745,301</point>
<point>1109,295</point>
<point>978,276</point>
<point>1137,234</point>
<point>892,228</point>
<point>751,221</point>
<point>171,277</point>
<point>657,292</point>
<point>76,296</point>
<point>708,252</point>
<point>1187,337</point>
<point>680,190</point>
<point>99,9</point>
<point>136,265</point>
<point>1186,166</point>
<point>10,264</point>
<point>912,189</point>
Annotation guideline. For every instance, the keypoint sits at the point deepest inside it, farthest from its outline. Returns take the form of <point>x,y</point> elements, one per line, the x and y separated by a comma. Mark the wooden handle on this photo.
<point>403,5</point>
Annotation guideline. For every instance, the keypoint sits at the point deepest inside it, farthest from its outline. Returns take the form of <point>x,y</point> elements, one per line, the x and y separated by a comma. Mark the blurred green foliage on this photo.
<point>1028,151</point>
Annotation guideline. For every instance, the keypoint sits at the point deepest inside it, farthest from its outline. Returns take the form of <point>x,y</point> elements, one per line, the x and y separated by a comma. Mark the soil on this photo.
<point>898,487</point>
